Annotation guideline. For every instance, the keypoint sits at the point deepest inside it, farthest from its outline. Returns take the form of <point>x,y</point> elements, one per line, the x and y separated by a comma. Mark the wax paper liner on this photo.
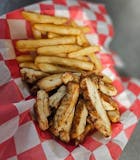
<point>20,137</point>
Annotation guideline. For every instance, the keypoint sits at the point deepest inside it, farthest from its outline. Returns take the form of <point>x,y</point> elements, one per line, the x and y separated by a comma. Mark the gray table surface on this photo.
<point>126,18</point>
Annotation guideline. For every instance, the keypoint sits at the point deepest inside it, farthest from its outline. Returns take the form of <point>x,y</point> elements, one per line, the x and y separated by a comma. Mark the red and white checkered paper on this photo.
<point>20,137</point>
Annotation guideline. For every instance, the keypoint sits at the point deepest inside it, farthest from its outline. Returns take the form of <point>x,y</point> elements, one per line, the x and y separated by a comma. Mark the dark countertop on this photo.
<point>126,18</point>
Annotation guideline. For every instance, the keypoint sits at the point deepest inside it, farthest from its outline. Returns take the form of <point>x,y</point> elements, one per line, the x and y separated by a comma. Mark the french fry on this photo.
<point>26,49</point>
<point>36,33</point>
<point>28,44</point>
<point>53,54</point>
<point>84,29</point>
<point>74,63</point>
<point>53,35</point>
<point>30,65</point>
<point>84,51</point>
<point>38,18</point>
<point>25,58</point>
<point>95,61</point>
<point>58,29</point>
<point>82,41</point>
<point>50,68</point>
<point>57,49</point>
<point>83,58</point>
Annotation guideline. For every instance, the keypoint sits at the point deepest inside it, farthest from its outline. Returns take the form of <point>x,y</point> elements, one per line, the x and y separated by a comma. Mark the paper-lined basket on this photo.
<point>20,137</point>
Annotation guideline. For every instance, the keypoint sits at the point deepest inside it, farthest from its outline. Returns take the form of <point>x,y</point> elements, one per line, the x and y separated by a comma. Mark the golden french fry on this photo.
<point>57,49</point>
<point>73,24</point>
<point>50,68</point>
<point>28,65</point>
<point>74,63</point>
<point>25,58</point>
<point>38,18</point>
<point>53,35</point>
<point>95,61</point>
<point>84,51</point>
<point>58,29</point>
<point>84,29</point>
<point>83,58</point>
<point>36,33</point>
<point>26,49</point>
<point>82,40</point>
<point>28,44</point>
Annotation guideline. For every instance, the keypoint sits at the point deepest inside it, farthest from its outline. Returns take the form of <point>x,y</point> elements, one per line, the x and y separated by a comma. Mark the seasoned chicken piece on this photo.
<point>103,83</point>
<point>76,77</point>
<point>42,110</point>
<point>106,79</point>
<point>107,106</point>
<point>67,77</point>
<point>114,116</point>
<point>55,99</point>
<point>98,123</point>
<point>111,107</point>
<point>95,100</point>
<point>79,121</point>
<point>50,82</point>
<point>65,132</point>
<point>107,88</point>
<point>30,75</point>
<point>89,128</point>
<point>65,108</point>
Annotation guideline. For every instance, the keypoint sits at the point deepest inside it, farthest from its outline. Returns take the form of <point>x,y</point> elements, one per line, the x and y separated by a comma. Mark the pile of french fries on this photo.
<point>72,96</point>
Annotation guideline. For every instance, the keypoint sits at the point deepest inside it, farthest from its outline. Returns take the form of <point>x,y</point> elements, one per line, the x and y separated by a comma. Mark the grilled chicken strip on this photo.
<point>104,84</point>
<point>42,110</point>
<point>94,98</point>
<point>69,76</point>
<point>50,82</point>
<point>65,132</point>
<point>107,88</point>
<point>31,76</point>
<point>65,108</point>
<point>89,128</point>
<point>111,107</point>
<point>55,99</point>
<point>79,121</point>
